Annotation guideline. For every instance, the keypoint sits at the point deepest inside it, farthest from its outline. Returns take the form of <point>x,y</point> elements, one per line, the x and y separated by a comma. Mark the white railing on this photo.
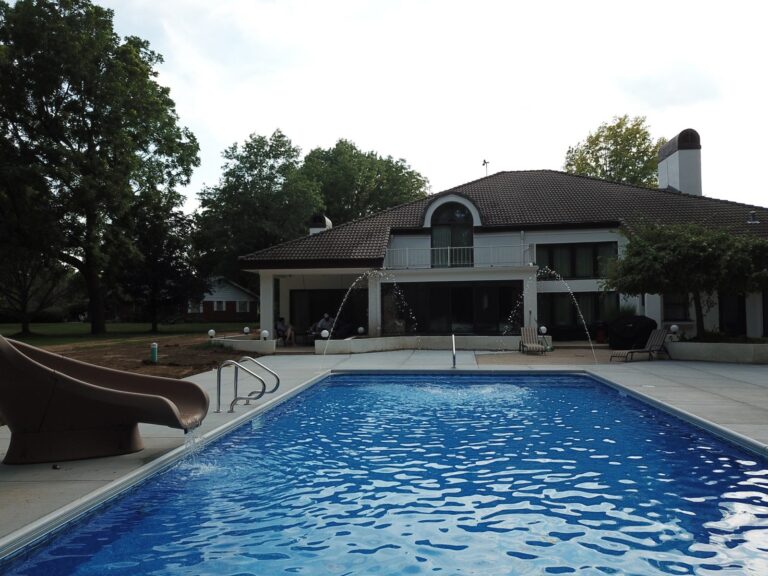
<point>464,257</point>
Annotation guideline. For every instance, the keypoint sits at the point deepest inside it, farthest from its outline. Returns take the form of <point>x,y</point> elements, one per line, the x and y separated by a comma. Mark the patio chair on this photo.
<point>529,341</point>
<point>653,347</point>
<point>62,409</point>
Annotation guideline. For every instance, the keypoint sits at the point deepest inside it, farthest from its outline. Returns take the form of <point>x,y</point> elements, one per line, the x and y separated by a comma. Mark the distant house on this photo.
<point>226,301</point>
<point>470,260</point>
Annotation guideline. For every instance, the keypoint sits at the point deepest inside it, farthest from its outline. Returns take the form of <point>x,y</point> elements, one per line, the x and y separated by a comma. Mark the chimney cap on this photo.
<point>688,139</point>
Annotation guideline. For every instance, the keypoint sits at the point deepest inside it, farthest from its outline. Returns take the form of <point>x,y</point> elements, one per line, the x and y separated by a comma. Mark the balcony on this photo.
<point>465,257</point>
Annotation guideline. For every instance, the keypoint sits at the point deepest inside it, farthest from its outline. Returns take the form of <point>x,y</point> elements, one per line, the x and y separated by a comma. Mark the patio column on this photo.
<point>267,303</point>
<point>374,305</point>
<point>530,304</point>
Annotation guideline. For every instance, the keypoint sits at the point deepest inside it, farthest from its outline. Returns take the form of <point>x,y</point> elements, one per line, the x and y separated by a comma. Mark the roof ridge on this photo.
<point>671,191</point>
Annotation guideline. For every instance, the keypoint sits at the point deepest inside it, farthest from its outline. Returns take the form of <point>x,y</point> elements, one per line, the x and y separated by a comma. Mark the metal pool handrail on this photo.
<point>453,340</point>
<point>260,365</point>
<point>251,396</point>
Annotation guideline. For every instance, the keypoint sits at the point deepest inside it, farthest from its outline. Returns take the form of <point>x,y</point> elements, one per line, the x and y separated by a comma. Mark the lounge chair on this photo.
<point>653,347</point>
<point>529,341</point>
<point>62,409</point>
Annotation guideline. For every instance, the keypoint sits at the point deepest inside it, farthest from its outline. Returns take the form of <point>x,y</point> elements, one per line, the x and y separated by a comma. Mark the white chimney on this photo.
<point>680,163</point>
<point>319,223</point>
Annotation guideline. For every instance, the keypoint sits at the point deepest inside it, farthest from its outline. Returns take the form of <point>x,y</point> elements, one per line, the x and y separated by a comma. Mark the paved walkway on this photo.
<point>734,398</point>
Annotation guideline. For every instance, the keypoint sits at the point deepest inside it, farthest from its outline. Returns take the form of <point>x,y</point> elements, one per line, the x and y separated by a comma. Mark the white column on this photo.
<point>653,307</point>
<point>754,304</point>
<point>530,300</point>
<point>267,303</point>
<point>374,305</point>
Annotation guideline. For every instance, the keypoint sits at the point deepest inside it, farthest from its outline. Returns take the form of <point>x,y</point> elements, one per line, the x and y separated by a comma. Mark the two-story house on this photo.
<point>511,249</point>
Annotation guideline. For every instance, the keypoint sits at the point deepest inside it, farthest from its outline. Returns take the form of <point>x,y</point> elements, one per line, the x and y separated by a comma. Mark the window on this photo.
<point>581,260</point>
<point>452,238</point>
<point>243,306</point>
<point>557,311</point>
<point>676,307</point>
<point>219,306</point>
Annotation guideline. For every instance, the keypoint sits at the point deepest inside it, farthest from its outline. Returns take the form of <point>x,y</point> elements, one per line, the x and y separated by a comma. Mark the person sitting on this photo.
<point>284,331</point>
<point>325,323</point>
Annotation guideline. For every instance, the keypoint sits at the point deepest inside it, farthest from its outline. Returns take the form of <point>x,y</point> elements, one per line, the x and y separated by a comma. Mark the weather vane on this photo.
<point>485,163</point>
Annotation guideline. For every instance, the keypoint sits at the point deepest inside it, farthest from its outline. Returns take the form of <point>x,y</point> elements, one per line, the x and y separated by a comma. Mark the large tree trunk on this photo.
<point>96,306</point>
<point>153,314</point>
<point>699,311</point>
<point>25,331</point>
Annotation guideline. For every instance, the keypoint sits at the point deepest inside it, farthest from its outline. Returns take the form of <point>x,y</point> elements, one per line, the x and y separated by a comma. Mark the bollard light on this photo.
<point>324,334</point>
<point>153,352</point>
<point>264,334</point>
<point>246,330</point>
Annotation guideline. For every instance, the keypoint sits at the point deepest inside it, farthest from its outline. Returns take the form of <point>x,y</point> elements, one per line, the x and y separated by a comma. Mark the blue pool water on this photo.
<point>436,474</point>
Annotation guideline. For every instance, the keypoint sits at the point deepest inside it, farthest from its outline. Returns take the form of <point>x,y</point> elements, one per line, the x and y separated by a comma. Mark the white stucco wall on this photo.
<point>682,171</point>
<point>402,241</point>
<point>754,315</point>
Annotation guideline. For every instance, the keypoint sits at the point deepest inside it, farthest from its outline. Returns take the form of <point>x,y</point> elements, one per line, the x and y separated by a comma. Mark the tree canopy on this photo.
<point>261,199</point>
<point>690,259</point>
<point>83,108</point>
<point>620,151</point>
<point>354,183</point>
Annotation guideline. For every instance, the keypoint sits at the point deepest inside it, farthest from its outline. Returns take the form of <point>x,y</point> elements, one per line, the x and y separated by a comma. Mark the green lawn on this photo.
<point>69,332</point>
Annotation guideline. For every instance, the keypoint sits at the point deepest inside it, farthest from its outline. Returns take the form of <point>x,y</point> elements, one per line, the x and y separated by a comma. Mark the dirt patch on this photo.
<point>178,355</point>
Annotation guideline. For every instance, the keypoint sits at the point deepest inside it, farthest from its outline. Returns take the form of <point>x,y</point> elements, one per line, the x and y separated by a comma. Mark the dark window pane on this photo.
<point>606,253</point>
<point>562,260</point>
<point>584,264</point>
<point>676,307</point>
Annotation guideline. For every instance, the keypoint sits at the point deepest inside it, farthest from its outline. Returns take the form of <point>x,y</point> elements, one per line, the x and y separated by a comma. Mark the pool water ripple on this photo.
<point>412,474</point>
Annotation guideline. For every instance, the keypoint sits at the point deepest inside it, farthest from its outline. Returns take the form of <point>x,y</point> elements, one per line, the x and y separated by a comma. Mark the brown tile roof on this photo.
<point>513,200</point>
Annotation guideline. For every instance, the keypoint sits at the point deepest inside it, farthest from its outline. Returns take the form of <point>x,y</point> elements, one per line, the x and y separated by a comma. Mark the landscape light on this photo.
<point>264,334</point>
<point>324,334</point>
<point>211,333</point>
<point>246,330</point>
<point>543,329</point>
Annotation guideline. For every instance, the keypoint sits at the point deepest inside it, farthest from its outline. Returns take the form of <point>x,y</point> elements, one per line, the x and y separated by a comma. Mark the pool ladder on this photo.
<point>256,394</point>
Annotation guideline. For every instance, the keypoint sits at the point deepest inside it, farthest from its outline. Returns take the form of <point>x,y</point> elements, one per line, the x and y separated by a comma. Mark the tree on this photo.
<point>622,151</point>
<point>261,199</point>
<point>162,277</point>
<point>689,259</point>
<point>84,108</point>
<point>29,284</point>
<point>354,184</point>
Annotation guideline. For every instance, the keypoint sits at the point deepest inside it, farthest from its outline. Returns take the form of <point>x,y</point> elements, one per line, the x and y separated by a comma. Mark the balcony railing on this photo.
<point>464,257</point>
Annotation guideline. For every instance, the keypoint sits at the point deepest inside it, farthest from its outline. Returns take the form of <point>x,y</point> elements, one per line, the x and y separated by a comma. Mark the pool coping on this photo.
<point>41,529</point>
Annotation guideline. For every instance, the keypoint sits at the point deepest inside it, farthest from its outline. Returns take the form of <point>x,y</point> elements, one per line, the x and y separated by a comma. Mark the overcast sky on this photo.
<point>446,85</point>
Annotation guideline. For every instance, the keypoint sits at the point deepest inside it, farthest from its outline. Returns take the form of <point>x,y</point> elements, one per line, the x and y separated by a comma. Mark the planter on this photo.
<point>747,353</point>
<point>248,344</point>
<point>360,345</point>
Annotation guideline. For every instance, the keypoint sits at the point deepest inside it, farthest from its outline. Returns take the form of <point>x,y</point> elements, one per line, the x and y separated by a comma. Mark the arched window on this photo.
<point>452,238</point>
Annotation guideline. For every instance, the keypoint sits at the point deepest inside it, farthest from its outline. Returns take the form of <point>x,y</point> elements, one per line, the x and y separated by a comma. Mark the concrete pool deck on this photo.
<point>732,397</point>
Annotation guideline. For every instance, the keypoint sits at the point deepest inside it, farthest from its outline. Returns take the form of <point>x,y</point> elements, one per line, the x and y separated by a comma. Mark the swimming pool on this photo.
<point>460,474</point>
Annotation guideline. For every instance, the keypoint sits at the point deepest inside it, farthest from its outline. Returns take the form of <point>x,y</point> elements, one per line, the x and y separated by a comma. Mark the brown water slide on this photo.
<point>63,409</point>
